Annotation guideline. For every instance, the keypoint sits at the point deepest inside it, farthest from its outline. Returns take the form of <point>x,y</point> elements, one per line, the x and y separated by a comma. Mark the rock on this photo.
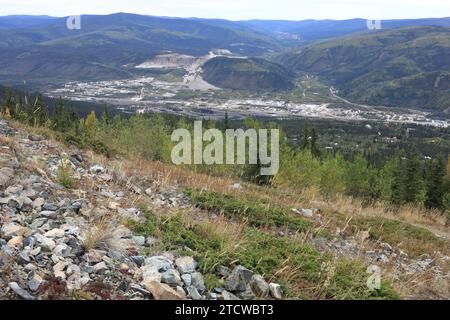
<point>307,213</point>
<point>24,258</point>
<point>228,296</point>
<point>5,176</point>
<point>181,292</point>
<point>172,277</point>
<point>20,292</point>
<point>49,207</point>
<point>96,169</point>
<point>193,293</point>
<point>161,291</point>
<point>187,279</point>
<point>150,273</point>
<point>259,286</point>
<point>12,229</point>
<point>62,250</point>
<point>38,203</point>
<point>239,279</point>
<point>186,264</point>
<point>160,263</point>
<point>140,240</point>
<point>95,256</point>
<point>46,243</point>
<point>100,267</point>
<point>237,186</point>
<point>198,281</point>
<point>58,270</point>
<point>54,233</point>
<point>34,283</point>
<point>149,192</point>
<point>275,291</point>
<point>139,260</point>
<point>16,242</point>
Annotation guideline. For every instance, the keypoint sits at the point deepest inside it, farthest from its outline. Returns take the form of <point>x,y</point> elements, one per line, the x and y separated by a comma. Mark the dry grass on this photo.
<point>98,233</point>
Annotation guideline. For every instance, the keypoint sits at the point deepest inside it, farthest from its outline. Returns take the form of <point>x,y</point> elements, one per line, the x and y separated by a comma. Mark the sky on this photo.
<point>237,9</point>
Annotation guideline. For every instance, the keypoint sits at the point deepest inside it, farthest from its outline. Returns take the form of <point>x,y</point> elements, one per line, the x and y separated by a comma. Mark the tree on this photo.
<point>91,123</point>
<point>435,175</point>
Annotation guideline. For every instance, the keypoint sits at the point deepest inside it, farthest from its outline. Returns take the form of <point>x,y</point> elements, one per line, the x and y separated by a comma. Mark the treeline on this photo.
<point>406,177</point>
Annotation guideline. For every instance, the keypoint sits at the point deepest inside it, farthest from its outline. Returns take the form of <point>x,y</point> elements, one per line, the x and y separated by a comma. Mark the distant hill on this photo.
<point>407,67</point>
<point>246,74</point>
<point>48,50</point>
<point>295,32</point>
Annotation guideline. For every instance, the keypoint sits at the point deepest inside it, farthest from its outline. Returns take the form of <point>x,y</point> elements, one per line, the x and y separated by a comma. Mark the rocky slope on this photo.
<point>55,243</point>
<point>77,243</point>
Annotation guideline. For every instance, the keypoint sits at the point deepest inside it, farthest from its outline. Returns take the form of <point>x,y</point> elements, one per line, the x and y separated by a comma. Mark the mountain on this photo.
<point>104,44</point>
<point>407,67</point>
<point>293,32</point>
<point>246,74</point>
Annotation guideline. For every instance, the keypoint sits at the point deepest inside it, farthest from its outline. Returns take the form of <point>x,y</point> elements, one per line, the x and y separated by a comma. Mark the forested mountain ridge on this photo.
<point>408,67</point>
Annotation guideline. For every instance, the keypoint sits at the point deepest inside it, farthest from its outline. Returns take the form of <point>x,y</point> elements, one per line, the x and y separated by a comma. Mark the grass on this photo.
<point>251,211</point>
<point>298,267</point>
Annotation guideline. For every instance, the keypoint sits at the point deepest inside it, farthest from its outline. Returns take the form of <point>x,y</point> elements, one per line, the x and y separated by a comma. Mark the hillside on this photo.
<point>246,74</point>
<point>407,67</point>
<point>104,44</point>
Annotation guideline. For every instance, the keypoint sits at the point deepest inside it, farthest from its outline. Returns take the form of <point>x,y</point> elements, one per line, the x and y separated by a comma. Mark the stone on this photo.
<point>34,283</point>
<point>259,286</point>
<point>172,277</point>
<point>160,263</point>
<point>54,233</point>
<point>187,279</point>
<point>275,291</point>
<point>96,169</point>
<point>181,292</point>
<point>149,192</point>
<point>58,270</point>
<point>100,267</point>
<point>5,176</point>
<point>46,243</point>
<point>161,291</point>
<point>186,264</point>
<point>49,207</point>
<point>228,296</point>
<point>239,279</point>
<point>140,240</point>
<point>193,293</point>
<point>20,292</point>
<point>198,281</point>
<point>12,229</point>
<point>139,260</point>
<point>16,242</point>
<point>150,273</point>
<point>62,250</point>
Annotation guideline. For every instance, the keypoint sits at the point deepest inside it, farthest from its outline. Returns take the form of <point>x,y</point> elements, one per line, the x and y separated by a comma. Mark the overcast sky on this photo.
<point>237,9</point>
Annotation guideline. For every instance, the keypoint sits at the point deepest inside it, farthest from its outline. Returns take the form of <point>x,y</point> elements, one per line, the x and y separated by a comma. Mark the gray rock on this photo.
<point>20,292</point>
<point>34,284</point>
<point>49,207</point>
<point>198,281</point>
<point>172,277</point>
<point>187,279</point>
<point>159,263</point>
<point>96,169</point>
<point>140,240</point>
<point>193,293</point>
<point>259,286</point>
<point>228,296</point>
<point>275,291</point>
<point>100,267</point>
<point>139,260</point>
<point>239,279</point>
<point>186,264</point>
